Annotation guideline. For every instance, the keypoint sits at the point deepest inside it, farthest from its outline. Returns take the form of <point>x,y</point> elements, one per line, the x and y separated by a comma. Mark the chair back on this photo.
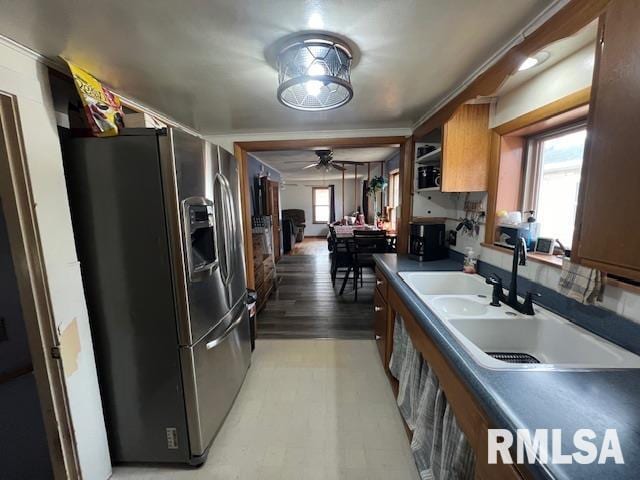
<point>331,238</point>
<point>370,241</point>
<point>344,245</point>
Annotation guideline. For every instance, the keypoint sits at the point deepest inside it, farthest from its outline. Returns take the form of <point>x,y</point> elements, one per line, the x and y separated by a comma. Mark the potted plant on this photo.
<point>377,184</point>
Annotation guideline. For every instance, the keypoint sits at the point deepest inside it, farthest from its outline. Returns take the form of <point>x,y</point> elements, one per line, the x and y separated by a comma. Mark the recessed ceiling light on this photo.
<point>528,63</point>
<point>533,61</point>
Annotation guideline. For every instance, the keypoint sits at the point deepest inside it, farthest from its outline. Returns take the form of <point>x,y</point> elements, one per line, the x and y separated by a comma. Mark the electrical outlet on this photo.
<point>453,237</point>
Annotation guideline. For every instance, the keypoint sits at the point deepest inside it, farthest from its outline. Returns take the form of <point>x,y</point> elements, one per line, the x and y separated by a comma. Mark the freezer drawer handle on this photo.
<point>227,332</point>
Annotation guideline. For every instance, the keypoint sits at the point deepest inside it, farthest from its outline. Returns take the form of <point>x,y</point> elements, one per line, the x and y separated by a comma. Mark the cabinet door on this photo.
<point>380,325</point>
<point>466,147</point>
<point>607,231</point>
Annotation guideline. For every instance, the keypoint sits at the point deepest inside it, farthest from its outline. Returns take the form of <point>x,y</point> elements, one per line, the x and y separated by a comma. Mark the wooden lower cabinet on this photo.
<point>263,271</point>
<point>470,417</point>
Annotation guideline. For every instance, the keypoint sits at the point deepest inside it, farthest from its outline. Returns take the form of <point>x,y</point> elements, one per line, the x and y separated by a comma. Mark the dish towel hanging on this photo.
<point>409,387</point>
<point>439,447</point>
<point>457,459</point>
<point>584,284</point>
<point>422,442</point>
<point>399,348</point>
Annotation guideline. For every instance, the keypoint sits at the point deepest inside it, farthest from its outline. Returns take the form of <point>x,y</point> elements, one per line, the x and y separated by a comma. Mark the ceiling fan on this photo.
<point>326,161</point>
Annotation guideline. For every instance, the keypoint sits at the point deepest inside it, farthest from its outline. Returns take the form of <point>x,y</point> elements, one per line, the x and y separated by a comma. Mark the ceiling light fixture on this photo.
<point>314,73</point>
<point>533,61</point>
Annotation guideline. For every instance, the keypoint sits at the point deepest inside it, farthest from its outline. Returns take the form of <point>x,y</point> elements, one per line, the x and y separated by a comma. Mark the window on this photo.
<point>394,198</point>
<point>320,202</point>
<point>552,180</point>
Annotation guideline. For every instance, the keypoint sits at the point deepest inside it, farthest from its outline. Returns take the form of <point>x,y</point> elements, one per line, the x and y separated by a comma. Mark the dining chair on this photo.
<point>340,256</point>
<point>362,247</point>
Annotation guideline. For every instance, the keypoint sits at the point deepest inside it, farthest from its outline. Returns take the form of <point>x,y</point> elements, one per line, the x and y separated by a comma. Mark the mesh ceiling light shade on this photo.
<point>314,73</point>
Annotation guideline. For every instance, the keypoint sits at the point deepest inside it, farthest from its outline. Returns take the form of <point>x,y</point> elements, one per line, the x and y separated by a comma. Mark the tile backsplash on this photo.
<point>617,318</point>
<point>617,300</point>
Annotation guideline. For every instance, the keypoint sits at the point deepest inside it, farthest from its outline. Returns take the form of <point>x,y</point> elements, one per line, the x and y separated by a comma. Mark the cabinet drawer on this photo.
<point>380,325</point>
<point>381,284</point>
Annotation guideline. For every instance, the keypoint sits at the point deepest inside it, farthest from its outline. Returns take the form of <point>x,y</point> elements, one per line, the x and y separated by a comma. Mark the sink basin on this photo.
<point>461,302</point>
<point>446,283</point>
<point>460,306</point>
<point>552,340</point>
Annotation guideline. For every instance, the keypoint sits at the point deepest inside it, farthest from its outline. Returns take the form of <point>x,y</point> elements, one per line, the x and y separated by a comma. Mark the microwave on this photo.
<point>507,236</point>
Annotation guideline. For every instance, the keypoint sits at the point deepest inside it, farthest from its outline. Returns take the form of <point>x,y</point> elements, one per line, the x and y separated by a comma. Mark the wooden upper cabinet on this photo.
<point>466,146</point>
<point>607,228</point>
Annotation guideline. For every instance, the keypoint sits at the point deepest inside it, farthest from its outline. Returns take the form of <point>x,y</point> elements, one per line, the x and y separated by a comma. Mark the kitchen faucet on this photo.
<point>519,258</point>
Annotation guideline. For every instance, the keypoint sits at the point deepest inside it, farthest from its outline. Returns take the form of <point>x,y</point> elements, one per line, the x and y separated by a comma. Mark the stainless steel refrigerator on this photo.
<point>157,224</point>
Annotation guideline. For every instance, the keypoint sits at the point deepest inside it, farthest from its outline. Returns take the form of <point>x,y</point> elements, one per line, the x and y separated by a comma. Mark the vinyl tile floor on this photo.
<point>308,410</point>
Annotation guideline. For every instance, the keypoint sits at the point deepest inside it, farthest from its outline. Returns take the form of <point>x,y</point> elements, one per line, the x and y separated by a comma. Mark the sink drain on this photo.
<point>514,357</point>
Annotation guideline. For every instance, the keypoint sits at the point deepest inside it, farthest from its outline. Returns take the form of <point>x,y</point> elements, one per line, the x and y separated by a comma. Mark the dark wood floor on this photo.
<point>305,305</point>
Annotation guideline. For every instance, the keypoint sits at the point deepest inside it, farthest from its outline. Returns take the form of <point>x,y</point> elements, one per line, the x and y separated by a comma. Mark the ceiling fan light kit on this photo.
<point>314,73</point>
<point>326,161</point>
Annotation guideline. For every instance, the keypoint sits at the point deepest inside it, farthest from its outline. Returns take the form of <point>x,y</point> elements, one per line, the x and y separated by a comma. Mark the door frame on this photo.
<point>273,195</point>
<point>26,251</point>
<point>241,150</point>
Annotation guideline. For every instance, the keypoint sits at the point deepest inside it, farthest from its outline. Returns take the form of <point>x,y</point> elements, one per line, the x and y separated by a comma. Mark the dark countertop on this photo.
<point>569,400</point>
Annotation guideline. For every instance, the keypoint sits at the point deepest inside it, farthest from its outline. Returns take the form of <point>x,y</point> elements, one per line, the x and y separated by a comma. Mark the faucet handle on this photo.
<point>493,279</point>
<point>528,302</point>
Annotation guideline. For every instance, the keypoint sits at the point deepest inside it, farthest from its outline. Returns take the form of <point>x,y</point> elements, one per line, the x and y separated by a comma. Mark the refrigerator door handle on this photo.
<point>231,225</point>
<point>227,332</point>
<point>228,231</point>
<point>225,233</point>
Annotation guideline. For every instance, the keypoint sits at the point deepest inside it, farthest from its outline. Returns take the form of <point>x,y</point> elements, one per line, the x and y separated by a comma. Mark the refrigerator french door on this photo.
<point>213,364</point>
<point>172,348</point>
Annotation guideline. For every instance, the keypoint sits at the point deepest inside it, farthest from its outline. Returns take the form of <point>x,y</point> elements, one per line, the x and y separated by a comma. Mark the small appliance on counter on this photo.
<point>513,227</point>
<point>427,241</point>
<point>545,246</point>
<point>507,236</point>
<point>428,177</point>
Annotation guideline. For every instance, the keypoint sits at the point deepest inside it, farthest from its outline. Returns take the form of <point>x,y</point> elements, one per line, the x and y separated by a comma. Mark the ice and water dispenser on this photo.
<point>200,242</point>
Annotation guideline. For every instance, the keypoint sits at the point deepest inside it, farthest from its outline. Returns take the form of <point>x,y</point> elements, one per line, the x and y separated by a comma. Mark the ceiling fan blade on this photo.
<point>311,166</point>
<point>349,162</point>
<point>337,167</point>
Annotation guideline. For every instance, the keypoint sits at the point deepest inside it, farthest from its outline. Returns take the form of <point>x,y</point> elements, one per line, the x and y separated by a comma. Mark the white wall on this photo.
<point>22,75</point>
<point>565,77</point>
<point>299,196</point>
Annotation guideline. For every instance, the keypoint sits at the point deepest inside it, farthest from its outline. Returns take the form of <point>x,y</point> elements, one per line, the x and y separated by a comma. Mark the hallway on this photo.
<point>306,305</point>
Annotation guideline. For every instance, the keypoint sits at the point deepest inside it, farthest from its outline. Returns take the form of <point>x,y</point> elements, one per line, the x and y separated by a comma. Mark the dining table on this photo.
<point>345,232</point>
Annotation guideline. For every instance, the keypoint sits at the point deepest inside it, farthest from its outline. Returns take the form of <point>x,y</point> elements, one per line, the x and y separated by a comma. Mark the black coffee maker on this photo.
<point>427,241</point>
<point>428,176</point>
